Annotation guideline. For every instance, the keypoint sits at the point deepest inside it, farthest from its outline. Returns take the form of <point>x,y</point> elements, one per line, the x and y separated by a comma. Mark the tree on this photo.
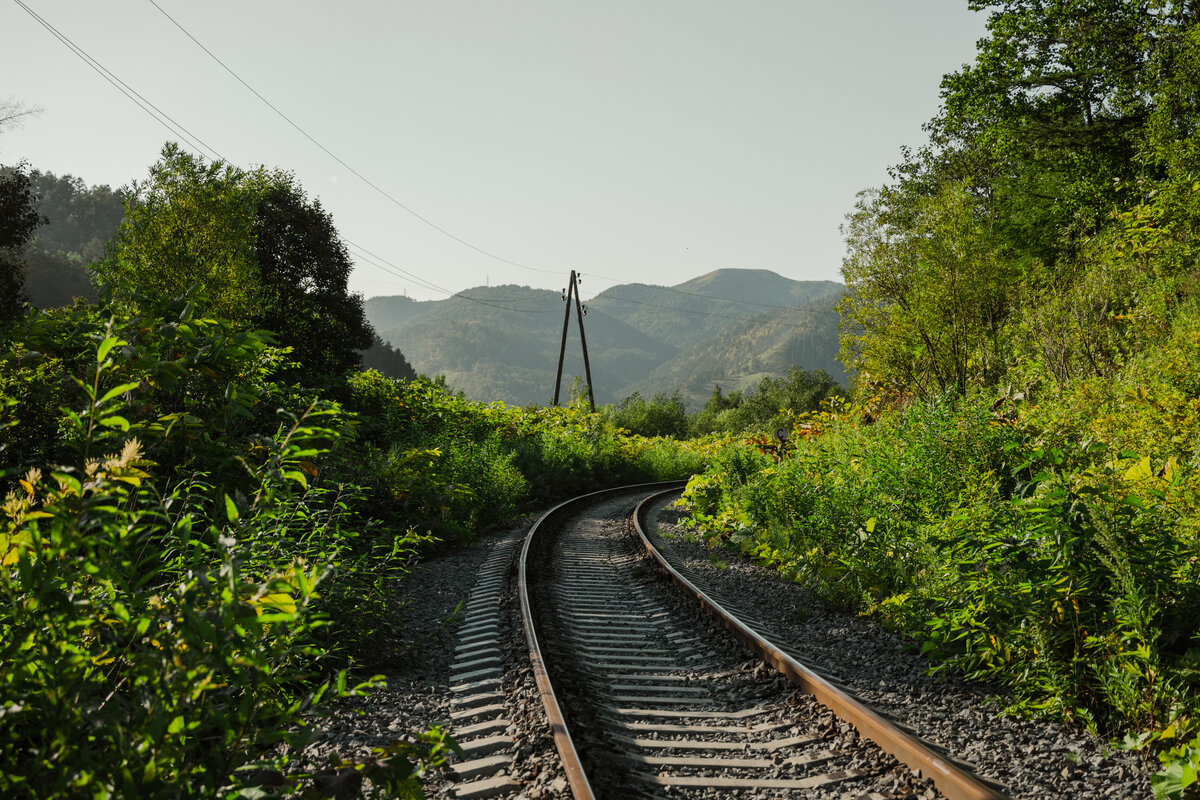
<point>388,360</point>
<point>18,221</point>
<point>191,224</point>
<point>662,415</point>
<point>80,221</point>
<point>304,269</point>
<point>13,113</point>
<point>1046,122</point>
<point>928,292</point>
<point>262,253</point>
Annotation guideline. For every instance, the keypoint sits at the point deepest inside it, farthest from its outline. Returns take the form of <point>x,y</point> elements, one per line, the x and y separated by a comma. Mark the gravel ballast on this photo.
<point>1032,759</point>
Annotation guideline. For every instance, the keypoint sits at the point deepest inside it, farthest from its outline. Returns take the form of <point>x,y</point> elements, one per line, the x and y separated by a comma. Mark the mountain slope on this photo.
<point>502,343</point>
<point>749,350</point>
<point>693,311</point>
<point>730,327</point>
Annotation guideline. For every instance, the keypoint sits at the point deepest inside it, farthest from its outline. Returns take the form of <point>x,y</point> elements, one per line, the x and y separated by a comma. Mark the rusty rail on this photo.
<point>581,789</point>
<point>950,780</point>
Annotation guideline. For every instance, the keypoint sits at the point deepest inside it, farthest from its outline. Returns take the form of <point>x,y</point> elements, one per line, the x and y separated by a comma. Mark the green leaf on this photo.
<point>116,390</point>
<point>231,510</point>
<point>176,725</point>
<point>108,344</point>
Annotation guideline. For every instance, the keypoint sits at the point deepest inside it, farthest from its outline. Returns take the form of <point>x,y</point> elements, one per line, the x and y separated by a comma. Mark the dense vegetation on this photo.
<point>79,222</point>
<point>204,515</point>
<point>770,406</point>
<point>1017,481</point>
<point>204,519</point>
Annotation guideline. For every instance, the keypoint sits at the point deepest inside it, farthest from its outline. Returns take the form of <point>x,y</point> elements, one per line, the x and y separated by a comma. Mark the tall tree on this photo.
<point>927,292</point>
<point>304,270</point>
<point>80,221</point>
<point>19,220</point>
<point>190,224</point>
<point>263,254</point>
<point>1046,122</point>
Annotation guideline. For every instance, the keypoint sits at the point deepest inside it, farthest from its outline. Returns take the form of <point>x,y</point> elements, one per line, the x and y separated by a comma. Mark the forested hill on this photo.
<point>745,352</point>
<point>79,221</point>
<point>730,326</point>
<point>691,312</point>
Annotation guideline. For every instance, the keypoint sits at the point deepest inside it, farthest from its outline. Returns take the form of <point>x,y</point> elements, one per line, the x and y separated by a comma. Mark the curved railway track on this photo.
<point>646,698</point>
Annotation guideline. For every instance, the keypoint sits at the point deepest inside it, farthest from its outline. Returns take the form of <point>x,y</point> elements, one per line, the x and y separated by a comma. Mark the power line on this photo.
<point>387,266</point>
<point>177,129</point>
<point>332,155</point>
<point>160,116</point>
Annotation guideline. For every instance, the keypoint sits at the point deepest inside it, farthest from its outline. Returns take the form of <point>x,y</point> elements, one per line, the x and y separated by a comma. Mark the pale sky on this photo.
<point>649,140</point>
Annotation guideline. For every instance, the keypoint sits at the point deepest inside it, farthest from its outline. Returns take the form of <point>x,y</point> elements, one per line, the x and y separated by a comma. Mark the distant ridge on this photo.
<point>731,326</point>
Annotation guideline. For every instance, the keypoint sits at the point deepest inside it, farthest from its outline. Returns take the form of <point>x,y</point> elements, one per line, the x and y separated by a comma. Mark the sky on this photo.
<point>646,141</point>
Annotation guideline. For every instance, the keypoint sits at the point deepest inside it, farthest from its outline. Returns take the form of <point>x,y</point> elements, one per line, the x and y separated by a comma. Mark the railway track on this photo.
<point>648,698</point>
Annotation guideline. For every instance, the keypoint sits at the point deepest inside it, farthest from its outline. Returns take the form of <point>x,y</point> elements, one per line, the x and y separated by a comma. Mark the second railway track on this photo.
<point>647,698</point>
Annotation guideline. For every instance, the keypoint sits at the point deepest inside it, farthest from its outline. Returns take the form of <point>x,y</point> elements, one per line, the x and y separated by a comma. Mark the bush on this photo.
<point>662,416</point>
<point>1065,571</point>
<point>160,628</point>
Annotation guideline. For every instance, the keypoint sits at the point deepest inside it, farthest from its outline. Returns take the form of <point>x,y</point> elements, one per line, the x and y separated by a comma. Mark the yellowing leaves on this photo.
<point>277,602</point>
<point>1144,474</point>
<point>11,546</point>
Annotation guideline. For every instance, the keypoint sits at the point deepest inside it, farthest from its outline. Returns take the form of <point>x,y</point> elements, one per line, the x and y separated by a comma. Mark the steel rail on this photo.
<point>950,780</point>
<point>577,779</point>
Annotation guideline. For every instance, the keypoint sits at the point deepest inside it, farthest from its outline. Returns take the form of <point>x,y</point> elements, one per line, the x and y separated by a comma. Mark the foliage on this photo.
<point>1062,571</point>
<point>771,406</point>
<point>1181,771</point>
<point>79,223</point>
<point>265,255</point>
<point>303,272</point>
<point>18,221</point>
<point>928,293</point>
<point>446,464</point>
<point>1017,485</point>
<point>662,415</point>
<point>199,546</point>
<point>162,632</point>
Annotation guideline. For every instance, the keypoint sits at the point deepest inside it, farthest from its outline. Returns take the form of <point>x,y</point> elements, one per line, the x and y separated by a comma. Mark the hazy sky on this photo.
<point>647,141</point>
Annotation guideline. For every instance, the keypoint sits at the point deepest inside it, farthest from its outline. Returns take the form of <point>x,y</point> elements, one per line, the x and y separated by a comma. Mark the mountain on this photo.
<point>388,312</point>
<point>731,327</point>
<point>687,314</point>
<point>502,343</point>
<point>746,351</point>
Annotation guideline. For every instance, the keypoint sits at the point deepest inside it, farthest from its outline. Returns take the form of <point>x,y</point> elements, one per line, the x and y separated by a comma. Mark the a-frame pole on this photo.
<point>562,347</point>
<point>587,369</point>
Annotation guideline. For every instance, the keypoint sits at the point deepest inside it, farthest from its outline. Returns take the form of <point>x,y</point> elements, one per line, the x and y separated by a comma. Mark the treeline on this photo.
<point>1016,482</point>
<point>772,405</point>
<point>209,500</point>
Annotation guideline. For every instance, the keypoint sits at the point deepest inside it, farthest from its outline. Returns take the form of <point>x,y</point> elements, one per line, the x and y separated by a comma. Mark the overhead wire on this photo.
<point>384,193</point>
<point>178,129</point>
<point>336,158</point>
<point>138,99</point>
<point>387,266</point>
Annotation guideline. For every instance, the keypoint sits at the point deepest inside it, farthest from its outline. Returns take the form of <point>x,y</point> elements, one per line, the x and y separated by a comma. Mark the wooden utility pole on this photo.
<point>572,292</point>
<point>587,368</point>
<point>562,347</point>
